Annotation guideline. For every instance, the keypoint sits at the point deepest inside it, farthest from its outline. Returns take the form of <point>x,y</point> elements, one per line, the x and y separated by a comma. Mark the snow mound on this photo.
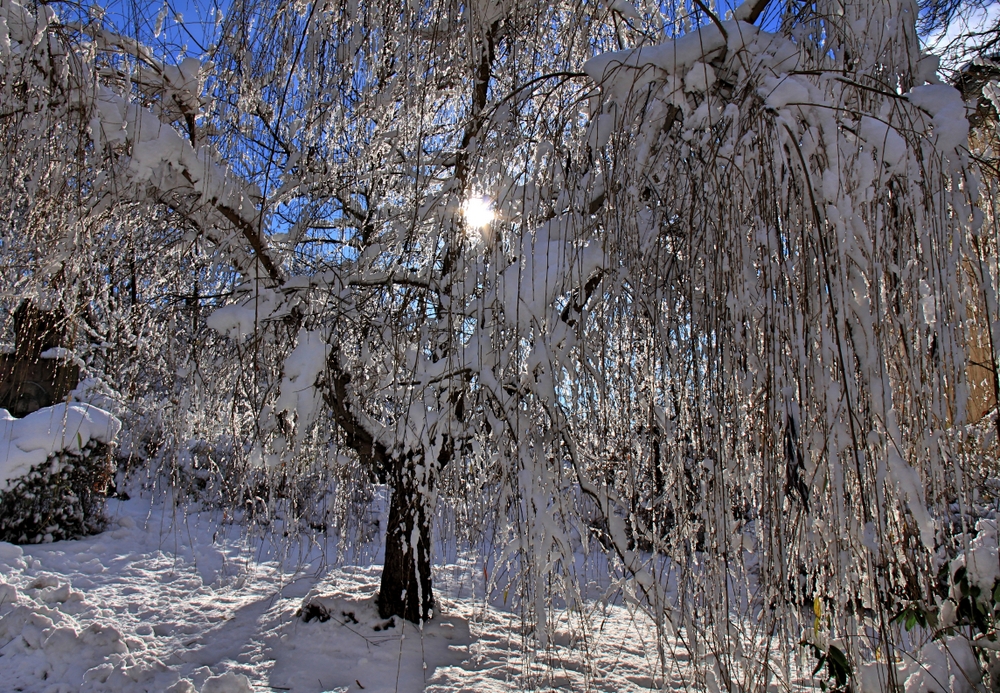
<point>27,442</point>
<point>378,654</point>
<point>46,642</point>
<point>227,683</point>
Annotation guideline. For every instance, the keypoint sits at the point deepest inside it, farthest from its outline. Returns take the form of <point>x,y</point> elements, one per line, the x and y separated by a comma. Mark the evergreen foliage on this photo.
<point>62,498</point>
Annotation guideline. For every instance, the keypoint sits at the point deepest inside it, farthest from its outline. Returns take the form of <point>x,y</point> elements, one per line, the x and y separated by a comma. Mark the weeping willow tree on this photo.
<point>719,319</point>
<point>682,287</point>
<point>794,213</point>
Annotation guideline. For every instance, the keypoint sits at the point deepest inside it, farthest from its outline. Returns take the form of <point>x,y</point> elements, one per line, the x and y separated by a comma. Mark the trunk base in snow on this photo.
<point>406,576</point>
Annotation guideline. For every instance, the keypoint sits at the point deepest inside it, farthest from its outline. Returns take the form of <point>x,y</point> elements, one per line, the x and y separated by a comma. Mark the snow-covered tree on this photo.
<point>689,282</point>
<point>803,208</point>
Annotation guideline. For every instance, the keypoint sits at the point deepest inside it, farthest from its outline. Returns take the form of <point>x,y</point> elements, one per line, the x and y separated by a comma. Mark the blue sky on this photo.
<point>198,30</point>
<point>189,37</point>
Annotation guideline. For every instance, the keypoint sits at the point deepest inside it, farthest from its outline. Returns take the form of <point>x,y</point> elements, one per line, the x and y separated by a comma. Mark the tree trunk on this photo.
<point>406,575</point>
<point>27,381</point>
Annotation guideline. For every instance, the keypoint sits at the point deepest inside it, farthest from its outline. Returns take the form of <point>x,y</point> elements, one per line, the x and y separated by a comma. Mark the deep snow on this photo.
<point>175,602</point>
<point>166,601</point>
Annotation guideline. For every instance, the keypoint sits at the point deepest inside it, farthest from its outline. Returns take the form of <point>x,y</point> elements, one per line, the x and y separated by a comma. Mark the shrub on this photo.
<point>63,498</point>
<point>55,469</point>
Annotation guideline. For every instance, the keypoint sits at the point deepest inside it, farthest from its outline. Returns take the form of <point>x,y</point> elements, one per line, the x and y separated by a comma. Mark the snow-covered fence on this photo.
<point>55,466</point>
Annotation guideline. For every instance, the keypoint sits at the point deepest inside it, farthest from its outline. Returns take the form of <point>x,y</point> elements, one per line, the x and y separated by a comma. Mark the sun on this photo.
<point>478,211</point>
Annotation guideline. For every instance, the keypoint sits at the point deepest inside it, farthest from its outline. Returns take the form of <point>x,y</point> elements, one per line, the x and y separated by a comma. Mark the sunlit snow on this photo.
<point>182,602</point>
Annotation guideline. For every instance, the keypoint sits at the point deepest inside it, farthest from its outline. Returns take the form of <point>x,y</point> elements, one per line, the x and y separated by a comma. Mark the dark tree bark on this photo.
<point>406,588</point>
<point>27,381</point>
<point>406,575</point>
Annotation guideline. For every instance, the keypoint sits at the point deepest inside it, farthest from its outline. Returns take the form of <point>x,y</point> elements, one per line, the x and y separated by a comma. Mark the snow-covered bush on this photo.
<point>960,628</point>
<point>57,466</point>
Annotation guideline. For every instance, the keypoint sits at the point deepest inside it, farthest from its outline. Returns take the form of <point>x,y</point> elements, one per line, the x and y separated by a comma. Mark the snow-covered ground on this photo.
<point>165,601</point>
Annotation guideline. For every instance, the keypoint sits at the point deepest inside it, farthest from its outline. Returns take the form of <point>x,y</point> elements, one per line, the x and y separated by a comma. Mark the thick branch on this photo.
<point>253,237</point>
<point>249,231</point>
<point>356,434</point>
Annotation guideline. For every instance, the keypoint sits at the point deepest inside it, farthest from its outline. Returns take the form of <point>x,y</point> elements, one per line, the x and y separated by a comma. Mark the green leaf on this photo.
<point>840,668</point>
